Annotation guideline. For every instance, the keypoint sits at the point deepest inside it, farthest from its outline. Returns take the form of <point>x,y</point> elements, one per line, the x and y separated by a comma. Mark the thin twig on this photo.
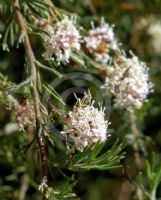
<point>24,187</point>
<point>31,58</point>
<point>34,91</point>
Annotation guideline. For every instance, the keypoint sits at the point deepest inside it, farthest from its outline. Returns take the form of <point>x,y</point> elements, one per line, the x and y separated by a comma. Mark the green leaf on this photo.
<point>148,169</point>
<point>39,84</point>
<point>9,35</point>
<point>98,147</point>
<point>48,69</point>
<point>95,159</point>
<point>39,8</point>
<point>53,92</point>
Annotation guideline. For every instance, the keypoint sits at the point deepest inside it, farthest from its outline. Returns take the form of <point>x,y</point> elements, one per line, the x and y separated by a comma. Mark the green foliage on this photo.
<point>96,159</point>
<point>38,8</point>
<point>10,34</point>
<point>153,176</point>
<point>99,158</point>
<point>51,91</point>
<point>63,192</point>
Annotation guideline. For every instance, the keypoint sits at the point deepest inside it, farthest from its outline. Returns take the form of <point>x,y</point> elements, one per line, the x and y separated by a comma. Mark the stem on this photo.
<point>137,160</point>
<point>31,58</point>
<point>91,7</point>
<point>153,195</point>
<point>134,131</point>
<point>34,91</point>
<point>24,187</point>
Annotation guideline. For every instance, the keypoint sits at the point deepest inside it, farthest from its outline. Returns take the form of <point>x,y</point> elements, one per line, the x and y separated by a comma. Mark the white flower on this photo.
<point>100,41</point>
<point>63,38</point>
<point>128,81</point>
<point>85,125</point>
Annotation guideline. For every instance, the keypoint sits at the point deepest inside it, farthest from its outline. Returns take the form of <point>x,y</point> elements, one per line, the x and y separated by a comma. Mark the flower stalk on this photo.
<point>134,131</point>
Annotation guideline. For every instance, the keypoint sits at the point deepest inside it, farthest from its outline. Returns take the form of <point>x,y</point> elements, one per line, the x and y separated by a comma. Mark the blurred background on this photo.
<point>138,28</point>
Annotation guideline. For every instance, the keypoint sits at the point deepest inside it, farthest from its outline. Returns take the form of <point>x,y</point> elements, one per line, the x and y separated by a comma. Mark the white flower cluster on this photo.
<point>63,38</point>
<point>100,41</point>
<point>128,81</point>
<point>85,125</point>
